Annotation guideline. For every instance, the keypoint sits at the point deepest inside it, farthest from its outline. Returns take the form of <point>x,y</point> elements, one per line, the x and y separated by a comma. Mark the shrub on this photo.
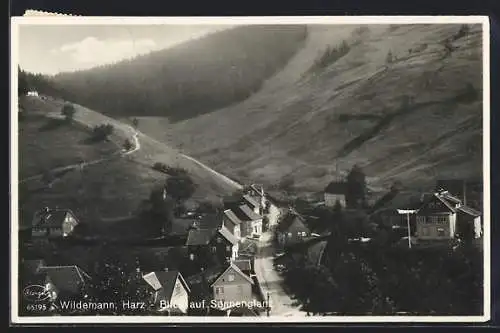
<point>462,32</point>
<point>331,55</point>
<point>180,187</point>
<point>389,58</point>
<point>127,145</point>
<point>68,111</point>
<point>102,132</point>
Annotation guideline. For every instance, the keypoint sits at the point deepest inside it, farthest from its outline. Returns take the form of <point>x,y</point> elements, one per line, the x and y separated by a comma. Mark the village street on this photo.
<point>270,280</point>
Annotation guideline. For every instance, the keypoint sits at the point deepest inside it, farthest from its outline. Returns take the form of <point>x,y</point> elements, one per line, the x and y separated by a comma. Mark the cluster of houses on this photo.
<point>217,244</point>
<point>434,216</point>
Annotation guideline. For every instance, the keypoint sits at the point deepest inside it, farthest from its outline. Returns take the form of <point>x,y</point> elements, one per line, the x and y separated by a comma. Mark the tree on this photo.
<point>161,211</point>
<point>68,111</point>
<point>356,187</point>
<point>113,281</point>
<point>180,187</point>
<point>135,123</point>
<point>209,207</point>
<point>389,58</point>
<point>127,145</point>
<point>448,47</point>
<point>22,83</point>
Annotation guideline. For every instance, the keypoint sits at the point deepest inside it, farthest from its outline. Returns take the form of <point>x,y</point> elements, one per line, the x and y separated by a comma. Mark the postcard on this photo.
<point>250,169</point>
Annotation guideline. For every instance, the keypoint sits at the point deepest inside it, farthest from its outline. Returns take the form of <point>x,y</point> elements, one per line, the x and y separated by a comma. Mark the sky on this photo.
<point>53,49</point>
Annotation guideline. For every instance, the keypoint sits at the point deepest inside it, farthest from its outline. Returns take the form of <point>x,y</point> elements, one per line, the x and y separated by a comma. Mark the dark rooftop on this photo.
<point>336,187</point>
<point>200,236</point>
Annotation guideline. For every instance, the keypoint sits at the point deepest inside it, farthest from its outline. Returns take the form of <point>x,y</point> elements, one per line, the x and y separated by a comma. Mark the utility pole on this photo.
<point>407,212</point>
<point>268,305</point>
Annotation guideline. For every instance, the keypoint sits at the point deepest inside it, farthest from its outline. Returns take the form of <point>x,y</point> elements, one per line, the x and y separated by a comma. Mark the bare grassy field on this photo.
<point>45,144</point>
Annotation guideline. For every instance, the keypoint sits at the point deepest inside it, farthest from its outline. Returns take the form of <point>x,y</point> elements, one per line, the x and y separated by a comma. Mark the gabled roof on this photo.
<point>447,196</point>
<point>243,265</point>
<point>336,187</point>
<point>232,217</point>
<point>259,191</point>
<point>469,211</point>
<point>210,221</point>
<point>51,218</point>
<point>290,219</point>
<point>65,278</point>
<point>164,282</point>
<point>228,235</point>
<point>200,236</point>
<point>429,197</point>
<point>237,270</point>
<point>250,214</point>
<point>180,226</point>
<point>250,200</point>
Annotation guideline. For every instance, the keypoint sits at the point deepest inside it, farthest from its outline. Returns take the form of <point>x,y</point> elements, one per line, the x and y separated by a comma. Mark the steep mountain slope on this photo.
<point>189,79</point>
<point>413,118</point>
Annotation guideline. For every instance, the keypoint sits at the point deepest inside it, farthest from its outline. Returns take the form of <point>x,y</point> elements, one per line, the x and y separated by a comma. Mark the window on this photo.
<point>443,219</point>
<point>230,277</point>
<point>433,219</point>
<point>228,248</point>
<point>289,234</point>
<point>440,232</point>
<point>191,256</point>
<point>219,290</point>
<point>425,232</point>
<point>214,249</point>
<point>421,219</point>
<point>304,234</point>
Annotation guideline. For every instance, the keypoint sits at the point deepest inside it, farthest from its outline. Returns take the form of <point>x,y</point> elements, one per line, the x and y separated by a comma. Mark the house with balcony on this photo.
<point>442,215</point>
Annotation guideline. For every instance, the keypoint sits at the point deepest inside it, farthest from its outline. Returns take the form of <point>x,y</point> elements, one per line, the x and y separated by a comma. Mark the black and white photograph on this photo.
<point>184,170</point>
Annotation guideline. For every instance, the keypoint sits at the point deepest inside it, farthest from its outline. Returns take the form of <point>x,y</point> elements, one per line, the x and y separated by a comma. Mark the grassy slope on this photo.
<point>116,187</point>
<point>292,125</point>
<point>44,145</point>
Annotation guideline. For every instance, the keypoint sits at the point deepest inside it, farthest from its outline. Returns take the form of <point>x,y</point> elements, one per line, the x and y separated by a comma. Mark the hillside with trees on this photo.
<point>192,78</point>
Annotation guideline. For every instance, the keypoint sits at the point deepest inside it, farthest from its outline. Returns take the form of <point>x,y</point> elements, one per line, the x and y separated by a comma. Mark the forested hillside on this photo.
<point>190,79</point>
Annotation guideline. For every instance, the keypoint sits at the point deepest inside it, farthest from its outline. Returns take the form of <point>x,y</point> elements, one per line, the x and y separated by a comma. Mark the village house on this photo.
<point>64,282</point>
<point>170,292</point>
<point>51,223</point>
<point>437,217</point>
<point>252,222</point>
<point>245,265</point>
<point>469,222</point>
<point>232,286</point>
<point>257,192</point>
<point>253,203</point>
<point>232,223</point>
<point>291,230</point>
<point>335,192</point>
<point>205,243</point>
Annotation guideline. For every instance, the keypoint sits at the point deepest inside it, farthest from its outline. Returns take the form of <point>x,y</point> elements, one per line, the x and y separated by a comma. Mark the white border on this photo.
<point>335,20</point>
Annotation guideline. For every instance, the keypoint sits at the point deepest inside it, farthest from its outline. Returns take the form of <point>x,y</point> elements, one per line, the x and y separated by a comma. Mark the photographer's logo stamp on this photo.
<point>36,293</point>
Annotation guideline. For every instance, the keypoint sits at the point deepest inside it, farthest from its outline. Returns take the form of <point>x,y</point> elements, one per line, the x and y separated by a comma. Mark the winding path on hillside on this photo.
<point>136,147</point>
